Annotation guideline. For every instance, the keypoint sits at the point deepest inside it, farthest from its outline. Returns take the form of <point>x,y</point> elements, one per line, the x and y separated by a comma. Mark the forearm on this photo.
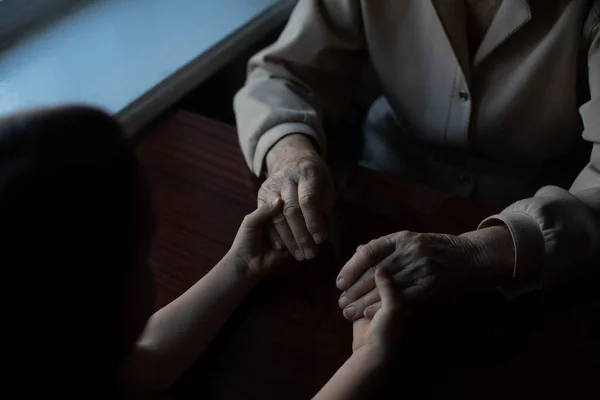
<point>360,377</point>
<point>180,332</point>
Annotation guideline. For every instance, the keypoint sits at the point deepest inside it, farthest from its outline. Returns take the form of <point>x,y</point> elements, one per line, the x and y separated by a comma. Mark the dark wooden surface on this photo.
<point>289,337</point>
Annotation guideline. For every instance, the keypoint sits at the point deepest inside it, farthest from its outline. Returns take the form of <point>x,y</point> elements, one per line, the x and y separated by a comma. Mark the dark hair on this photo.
<point>70,229</point>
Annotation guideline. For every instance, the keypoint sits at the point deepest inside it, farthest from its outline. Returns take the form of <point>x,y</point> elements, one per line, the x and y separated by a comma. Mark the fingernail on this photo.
<point>343,302</point>
<point>278,245</point>
<point>370,312</point>
<point>275,202</point>
<point>309,254</point>
<point>340,283</point>
<point>349,312</point>
<point>318,238</point>
<point>298,254</point>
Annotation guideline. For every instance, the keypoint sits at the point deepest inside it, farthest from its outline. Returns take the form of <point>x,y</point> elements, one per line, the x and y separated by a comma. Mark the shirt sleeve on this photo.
<point>556,233</point>
<point>306,74</point>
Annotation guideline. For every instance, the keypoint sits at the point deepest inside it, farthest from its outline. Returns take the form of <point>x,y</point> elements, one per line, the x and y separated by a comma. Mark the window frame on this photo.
<point>18,16</point>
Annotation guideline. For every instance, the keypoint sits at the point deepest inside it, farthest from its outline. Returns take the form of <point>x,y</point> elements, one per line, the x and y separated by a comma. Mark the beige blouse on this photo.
<point>526,96</point>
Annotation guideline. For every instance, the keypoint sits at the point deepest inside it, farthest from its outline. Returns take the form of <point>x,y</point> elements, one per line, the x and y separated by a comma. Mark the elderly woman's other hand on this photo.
<point>426,266</point>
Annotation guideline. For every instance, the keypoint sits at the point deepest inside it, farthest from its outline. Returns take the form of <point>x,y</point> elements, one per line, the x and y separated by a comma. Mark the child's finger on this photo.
<point>387,290</point>
<point>263,214</point>
<point>274,238</point>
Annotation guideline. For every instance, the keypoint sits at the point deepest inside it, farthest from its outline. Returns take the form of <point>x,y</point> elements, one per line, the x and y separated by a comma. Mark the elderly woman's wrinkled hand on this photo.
<point>301,178</point>
<point>424,266</point>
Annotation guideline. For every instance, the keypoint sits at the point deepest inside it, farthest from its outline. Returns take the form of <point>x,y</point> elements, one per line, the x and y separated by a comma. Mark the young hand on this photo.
<point>381,329</point>
<point>251,245</point>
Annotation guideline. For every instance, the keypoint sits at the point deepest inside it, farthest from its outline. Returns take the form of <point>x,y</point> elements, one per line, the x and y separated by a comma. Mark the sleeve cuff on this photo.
<point>528,243</point>
<point>275,134</point>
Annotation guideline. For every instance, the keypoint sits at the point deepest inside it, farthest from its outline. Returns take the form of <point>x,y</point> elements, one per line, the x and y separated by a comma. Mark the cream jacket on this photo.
<point>528,96</point>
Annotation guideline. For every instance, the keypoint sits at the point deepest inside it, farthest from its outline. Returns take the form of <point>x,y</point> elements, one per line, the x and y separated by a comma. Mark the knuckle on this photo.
<point>262,196</point>
<point>270,183</point>
<point>279,220</point>
<point>404,234</point>
<point>288,174</point>
<point>423,238</point>
<point>308,164</point>
<point>307,170</point>
<point>279,180</point>
<point>265,193</point>
<point>402,237</point>
<point>367,252</point>
<point>371,272</point>
<point>283,172</point>
<point>307,199</point>
<point>291,209</point>
<point>388,242</point>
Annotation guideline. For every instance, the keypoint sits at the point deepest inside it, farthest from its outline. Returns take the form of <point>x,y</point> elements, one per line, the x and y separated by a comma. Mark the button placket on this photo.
<point>459,113</point>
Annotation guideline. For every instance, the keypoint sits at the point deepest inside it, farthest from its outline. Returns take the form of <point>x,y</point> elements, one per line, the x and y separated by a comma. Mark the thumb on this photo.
<point>263,214</point>
<point>390,297</point>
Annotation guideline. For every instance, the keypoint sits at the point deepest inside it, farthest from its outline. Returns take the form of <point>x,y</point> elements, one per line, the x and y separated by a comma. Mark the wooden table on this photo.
<point>289,337</point>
